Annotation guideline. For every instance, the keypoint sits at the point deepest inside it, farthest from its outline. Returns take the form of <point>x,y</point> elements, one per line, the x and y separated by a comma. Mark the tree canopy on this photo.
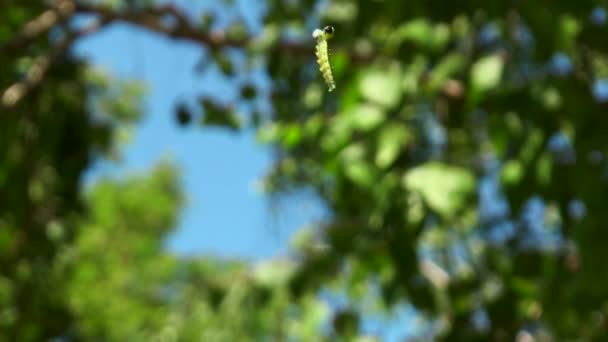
<point>462,157</point>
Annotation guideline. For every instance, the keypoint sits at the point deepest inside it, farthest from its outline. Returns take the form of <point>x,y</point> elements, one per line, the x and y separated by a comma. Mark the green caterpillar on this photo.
<point>322,53</point>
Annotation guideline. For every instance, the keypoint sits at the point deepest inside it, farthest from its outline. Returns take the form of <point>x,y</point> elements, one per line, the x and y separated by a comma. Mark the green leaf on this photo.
<point>313,96</point>
<point>418,30</point>
<point>390,142</point>
<point>273,273</point>
<point>444,188</point>
<point>543,169</point>
<point>448,66</point>
<point>340,11</point>
<point>268,133</point>
<point>353,153</point>
<point>224,62</point>
<point>219,115</point>
<point>366,117</point>
<point>356,168</point>
<point>382,86</point>
<point>292,135</point>
<point>183,115</point>
<point>524,287</point>
<point>237,31</point>
<point>486,73</point>
<point>302,239</point>
<point>360,172</point>
<point>512,172</point>
<point>338,135</point>
<point>269,36</point>
<point>248,91</point>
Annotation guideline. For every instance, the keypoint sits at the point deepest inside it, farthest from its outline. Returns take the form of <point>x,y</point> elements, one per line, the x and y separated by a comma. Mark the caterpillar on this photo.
<point>322,53</point>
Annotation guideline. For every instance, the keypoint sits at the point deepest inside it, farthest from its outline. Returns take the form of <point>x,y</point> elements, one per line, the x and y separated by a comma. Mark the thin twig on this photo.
<point>17,91</point>
<point>152,18</point>
<point>59,10</point>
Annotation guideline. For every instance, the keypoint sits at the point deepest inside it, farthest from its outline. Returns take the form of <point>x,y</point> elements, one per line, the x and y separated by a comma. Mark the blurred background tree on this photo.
<point>462,157</point>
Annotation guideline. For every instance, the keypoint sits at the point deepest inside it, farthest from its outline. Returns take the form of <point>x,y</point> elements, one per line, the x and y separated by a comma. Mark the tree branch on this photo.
<point>152,19</point>
<point>17,91</point>
<point>59,10</point>
<point>164,19</point>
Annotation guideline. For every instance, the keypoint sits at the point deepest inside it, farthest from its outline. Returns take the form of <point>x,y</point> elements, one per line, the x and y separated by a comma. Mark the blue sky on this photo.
<point>226,215</point>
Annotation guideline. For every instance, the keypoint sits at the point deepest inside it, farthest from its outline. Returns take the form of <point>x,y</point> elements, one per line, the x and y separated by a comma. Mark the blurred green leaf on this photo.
<point>360,172</point>
<point>512,172</point>
<point>418,30</point>
<point>486,73</point>
<point>444,188</point>
<point>269,36</point>
<point>273,273</point>
<point>447,67</point>
<point>366,117</point>
<point>356,167</point>
<point>340,11</point>
<point>390,142</point>
<point>216,114</point>
<point>382,86</point>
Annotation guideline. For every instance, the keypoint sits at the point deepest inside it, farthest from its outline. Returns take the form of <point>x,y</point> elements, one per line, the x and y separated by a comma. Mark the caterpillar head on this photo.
<point>328,32</point>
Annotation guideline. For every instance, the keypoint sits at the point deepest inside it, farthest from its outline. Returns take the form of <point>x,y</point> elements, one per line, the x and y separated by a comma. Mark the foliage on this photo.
<point>462,156</point>
<point>496,96</point>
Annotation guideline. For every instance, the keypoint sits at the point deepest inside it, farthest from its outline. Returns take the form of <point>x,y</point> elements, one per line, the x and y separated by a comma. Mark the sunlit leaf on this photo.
<point>486,73</point>
<point>382,86</point>
<point>444,188</point>
<point>390,142</point>
<point>366,117</point>
<point>273,273</point>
